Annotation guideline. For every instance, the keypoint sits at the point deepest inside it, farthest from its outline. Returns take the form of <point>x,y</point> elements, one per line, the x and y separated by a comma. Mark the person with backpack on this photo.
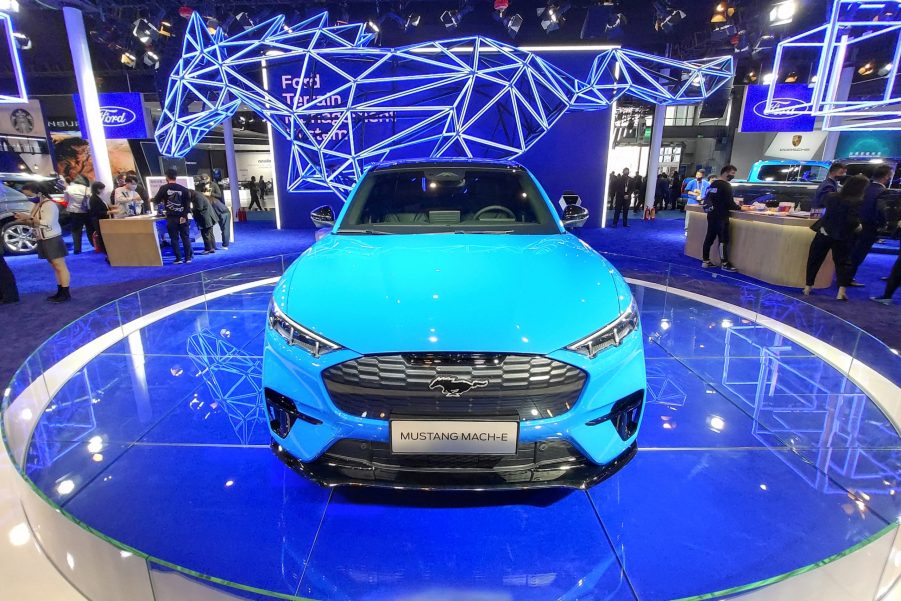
<point>176,202</point>
<point>44,218</point>
<point>78,195</point>
<point>718,203</point>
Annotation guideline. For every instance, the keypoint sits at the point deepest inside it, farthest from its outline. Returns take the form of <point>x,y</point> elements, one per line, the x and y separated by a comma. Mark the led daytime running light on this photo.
<point>612,334</point>
<point>297,335</point>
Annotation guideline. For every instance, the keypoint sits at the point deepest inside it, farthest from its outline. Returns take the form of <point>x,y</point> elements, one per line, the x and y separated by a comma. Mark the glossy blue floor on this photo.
<point>756,458</point>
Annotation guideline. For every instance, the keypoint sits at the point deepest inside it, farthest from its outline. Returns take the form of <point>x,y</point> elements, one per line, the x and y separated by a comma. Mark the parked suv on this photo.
<point>18,238</point>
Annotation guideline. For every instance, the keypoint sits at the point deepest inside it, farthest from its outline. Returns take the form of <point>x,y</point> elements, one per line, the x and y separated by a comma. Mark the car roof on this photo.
<point>429,163</point>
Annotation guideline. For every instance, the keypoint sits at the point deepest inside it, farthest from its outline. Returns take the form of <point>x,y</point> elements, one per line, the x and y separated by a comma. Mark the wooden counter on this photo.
<point>771,248</point>
<point>132,242</point>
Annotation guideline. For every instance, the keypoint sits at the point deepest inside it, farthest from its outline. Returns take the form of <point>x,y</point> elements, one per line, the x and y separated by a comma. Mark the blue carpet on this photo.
<point>94,283</point>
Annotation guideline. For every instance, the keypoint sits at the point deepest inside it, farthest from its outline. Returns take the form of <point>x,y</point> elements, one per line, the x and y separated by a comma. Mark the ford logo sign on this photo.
<point>778,104</point>
<point>117,115</point>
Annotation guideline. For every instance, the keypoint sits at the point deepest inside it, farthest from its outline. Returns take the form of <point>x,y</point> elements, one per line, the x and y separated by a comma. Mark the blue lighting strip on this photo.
<point>851,23</point>
<point>16,62</point>
<point>463,97</point>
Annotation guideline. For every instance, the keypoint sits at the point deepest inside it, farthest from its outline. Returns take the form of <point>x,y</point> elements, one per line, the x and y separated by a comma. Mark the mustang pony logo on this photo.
<point>454,387</point>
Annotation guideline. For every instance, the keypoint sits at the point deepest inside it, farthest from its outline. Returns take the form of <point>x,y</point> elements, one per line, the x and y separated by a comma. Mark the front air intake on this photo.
<point>625,415</point>
<point>283,413</point>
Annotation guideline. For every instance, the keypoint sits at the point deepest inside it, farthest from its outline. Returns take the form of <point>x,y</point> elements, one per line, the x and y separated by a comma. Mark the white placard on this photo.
<point>801,146</point>
<point>432,437</point>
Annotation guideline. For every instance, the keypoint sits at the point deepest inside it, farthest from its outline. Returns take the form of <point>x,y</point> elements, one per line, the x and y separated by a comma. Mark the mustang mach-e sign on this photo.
<point>122,115</point>
<point>755,118</point>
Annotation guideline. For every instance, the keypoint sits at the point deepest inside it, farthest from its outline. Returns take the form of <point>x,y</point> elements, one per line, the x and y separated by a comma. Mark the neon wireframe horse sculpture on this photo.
<point>465,97</point>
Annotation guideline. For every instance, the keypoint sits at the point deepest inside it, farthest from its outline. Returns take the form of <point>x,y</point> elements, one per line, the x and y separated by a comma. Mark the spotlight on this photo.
<point>512,23</point>
<point>867,69</point>
<point>128,59</point>
<point>725,32</point>
<point>23,42</point>
<point>212,24</point>
<point>151,59</point>
<point>452,18</point>
<point>412,21</point>
<point>767,79</point>
<point>669,21</point>
<point>782,13</point>
<point>144,31</point>
<point>244,21</point>
<point>552,16</point>
<point>373,25</point>
<point>751,77</point>
<point>722,13</point>
<point>885,69</point>
<point>165,29</point>
<point>791,77</point>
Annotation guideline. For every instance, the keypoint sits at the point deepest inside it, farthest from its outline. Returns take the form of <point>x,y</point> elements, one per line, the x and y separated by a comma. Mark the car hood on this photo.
<point>452,292</point>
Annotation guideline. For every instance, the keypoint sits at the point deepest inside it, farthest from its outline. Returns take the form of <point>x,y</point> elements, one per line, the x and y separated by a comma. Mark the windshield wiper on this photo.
<point>371,232</point>
<point>483,232</point>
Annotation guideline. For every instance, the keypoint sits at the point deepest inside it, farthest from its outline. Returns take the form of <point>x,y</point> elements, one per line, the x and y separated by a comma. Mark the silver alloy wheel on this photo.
<point>18,238</point>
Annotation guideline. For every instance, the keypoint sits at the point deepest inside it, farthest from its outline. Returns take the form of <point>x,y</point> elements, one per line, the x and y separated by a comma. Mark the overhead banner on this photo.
<point>800,146</point>
<point>754,118</point>
<point>122,114</point>
<point>23,119</point>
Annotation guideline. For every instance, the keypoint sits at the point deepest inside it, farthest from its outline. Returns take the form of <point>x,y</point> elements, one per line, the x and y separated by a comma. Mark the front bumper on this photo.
<point>577,448</point>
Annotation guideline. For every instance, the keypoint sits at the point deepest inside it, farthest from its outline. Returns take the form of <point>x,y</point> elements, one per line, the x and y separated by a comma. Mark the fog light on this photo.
<point>625,415</point>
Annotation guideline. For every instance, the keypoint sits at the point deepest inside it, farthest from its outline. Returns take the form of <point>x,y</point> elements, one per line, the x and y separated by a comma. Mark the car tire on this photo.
<point>18,238</point>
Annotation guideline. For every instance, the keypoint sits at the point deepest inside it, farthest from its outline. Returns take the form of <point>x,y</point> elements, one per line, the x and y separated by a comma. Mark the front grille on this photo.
<point>530,386</point>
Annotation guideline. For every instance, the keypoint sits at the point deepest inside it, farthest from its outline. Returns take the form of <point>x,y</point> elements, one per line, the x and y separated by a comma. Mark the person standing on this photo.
<point>254,188</point>
<point>176,203</point>
<point>891,285</point>
<point>78,195</point>
<point>623,189</point>
<point>676,190</point>
<point>262,189</point>
<point>126,201</point>
<point>141,190</point>
<point>223,217</point>
<point>828,185</point>
<point>694,190</point>
<point>212,189</point>
<point>9,292</point>
<point>719,202</point>
<point>638,185</point>
<point>98,210</point>
<point>661,191</point>
<point>872,217</point>
<point>205,218</point>
<point>44,218</point>
<point>611,178</point>
<point>835,231</point>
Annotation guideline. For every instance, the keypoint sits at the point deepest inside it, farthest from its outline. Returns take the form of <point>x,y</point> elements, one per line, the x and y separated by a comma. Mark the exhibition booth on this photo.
<point>459,383</point>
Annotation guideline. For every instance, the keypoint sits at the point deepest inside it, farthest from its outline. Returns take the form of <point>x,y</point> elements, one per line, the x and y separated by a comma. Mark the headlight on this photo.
<point>297,335</point>
<point>610,335</point>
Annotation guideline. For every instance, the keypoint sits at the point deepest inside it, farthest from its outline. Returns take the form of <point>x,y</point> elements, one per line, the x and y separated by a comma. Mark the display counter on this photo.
<point>132,242</point>
<point>770,247</point>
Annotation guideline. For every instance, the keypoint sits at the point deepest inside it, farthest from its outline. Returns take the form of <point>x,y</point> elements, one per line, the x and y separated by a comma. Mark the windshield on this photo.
<point>448,199</point>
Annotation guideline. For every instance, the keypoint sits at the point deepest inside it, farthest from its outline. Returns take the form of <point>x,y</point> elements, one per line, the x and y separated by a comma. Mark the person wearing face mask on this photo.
<point>718,203</point>
<point>44,218</point>
<point>126,201</point>
<point>695,190</point>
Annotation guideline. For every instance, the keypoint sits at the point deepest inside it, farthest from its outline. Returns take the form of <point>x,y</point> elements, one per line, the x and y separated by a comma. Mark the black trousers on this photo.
<point>841,256</point>
<point>717,227</point>
<point>862,246</point>
<point>894,279</point>
<point>224,227</point>
<point>178,230</point>
<point>81,222</point>
<point>621,205</point>
<point>209,238</point>
<point>8,289</point>
<point>254,200</point>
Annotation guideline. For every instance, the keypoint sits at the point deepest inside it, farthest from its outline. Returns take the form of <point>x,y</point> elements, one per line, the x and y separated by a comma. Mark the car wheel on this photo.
<point>18,238</point>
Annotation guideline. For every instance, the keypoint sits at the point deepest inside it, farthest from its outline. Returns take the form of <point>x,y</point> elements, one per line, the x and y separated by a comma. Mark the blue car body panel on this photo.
<point>453,293</point>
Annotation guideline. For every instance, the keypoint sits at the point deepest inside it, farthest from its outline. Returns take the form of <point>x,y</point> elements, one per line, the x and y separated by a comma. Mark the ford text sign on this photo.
<point>122,115</point>
<point>785,96</point>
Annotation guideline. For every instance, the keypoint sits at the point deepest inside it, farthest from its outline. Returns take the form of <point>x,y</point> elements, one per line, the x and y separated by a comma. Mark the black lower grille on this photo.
<point>530,386</point>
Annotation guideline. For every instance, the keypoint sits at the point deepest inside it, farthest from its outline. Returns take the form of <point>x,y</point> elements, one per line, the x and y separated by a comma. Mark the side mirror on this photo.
<point>323,216</point>
<point>574,216</point>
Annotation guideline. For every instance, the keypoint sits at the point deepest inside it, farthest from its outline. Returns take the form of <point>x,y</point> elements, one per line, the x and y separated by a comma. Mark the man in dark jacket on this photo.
<point>828,185</point>
<point>205,218</point>
<point>872,218</point>
<point>176,203</point>
<point>718,203</point>
<point>622,187</point>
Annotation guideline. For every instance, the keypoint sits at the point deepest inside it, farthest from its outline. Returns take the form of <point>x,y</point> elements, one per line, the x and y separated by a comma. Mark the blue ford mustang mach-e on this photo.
<point>449,332</point>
